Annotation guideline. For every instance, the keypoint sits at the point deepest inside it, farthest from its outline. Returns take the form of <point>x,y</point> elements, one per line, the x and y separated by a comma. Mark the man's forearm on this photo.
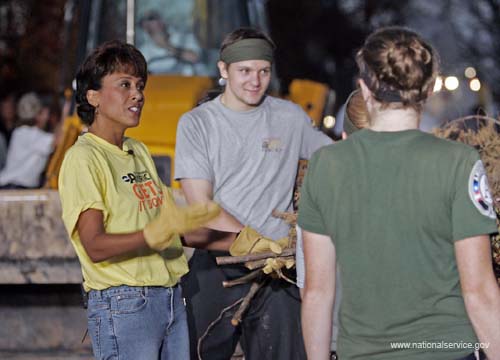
<point>225,222</point>
<point>209,239</point>
<point>217,234</point>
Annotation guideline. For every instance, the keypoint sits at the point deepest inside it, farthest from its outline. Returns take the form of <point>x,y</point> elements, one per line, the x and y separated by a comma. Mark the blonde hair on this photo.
<point>397,65</point>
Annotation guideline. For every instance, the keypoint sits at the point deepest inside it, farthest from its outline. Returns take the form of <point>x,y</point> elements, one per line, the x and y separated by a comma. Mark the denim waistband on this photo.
<point>126,289</point>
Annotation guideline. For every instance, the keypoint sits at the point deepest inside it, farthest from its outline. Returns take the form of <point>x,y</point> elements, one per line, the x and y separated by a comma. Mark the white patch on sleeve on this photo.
<point>479,190</point>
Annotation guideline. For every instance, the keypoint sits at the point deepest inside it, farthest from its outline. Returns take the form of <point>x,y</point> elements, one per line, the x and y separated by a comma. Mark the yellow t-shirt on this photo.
<point>125,186</point>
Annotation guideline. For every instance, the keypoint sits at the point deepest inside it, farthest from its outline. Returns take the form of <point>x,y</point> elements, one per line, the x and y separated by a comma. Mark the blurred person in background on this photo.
<point>30,146</point>
<point>166,49</point>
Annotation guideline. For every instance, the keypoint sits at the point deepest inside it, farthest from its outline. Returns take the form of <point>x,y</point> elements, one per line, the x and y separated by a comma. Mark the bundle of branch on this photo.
<point>251,258</point>
<point>257,277</point>
<point>481,132</point>
<point>262,265</point>
<point>255,262</point>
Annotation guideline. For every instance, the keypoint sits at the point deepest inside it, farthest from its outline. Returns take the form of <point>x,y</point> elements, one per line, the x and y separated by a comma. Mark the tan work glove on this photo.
<point>275,264</point>
<point>173,220</point>
<point>249,241</point>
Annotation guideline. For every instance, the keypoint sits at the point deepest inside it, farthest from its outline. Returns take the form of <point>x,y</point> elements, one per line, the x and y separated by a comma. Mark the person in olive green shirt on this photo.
<point>406,216</point>
<point>122,221</point>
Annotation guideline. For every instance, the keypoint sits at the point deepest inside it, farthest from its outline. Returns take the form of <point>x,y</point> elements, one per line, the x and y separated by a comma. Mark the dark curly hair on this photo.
<point>398,60</point>
<point>110,57</point>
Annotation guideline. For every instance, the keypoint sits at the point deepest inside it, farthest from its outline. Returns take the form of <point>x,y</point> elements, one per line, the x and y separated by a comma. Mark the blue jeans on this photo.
<point>144,323</point>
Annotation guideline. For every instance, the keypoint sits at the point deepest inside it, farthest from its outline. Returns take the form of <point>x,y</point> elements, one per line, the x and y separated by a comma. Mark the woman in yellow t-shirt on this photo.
<point>123,222</point>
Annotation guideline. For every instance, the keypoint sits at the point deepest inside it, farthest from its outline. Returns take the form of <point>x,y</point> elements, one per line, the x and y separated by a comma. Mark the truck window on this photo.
<point>183,36</point>
<point>179,37</point>
<point>165,35</point>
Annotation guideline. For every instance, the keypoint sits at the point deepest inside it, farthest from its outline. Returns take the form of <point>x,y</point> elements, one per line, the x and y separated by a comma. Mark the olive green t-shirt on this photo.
<point>394,203</point>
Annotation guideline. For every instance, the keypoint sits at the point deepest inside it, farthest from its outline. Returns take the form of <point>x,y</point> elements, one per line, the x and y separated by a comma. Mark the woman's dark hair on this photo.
<point>110,57</point>
<point>396,61</point>
<point>244,33</point>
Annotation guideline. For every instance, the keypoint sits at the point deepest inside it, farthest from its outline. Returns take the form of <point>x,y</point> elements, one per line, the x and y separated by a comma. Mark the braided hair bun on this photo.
<point>398,66</point>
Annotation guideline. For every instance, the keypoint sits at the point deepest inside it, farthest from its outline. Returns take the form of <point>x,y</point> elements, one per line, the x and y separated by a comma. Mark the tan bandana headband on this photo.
<point>247,49</point>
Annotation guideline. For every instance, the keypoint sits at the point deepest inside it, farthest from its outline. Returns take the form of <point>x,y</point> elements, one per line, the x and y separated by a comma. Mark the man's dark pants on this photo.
<point>271,325</point>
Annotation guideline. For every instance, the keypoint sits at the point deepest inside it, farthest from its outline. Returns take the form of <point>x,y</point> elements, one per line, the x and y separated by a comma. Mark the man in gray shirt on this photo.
<point>241,150</point>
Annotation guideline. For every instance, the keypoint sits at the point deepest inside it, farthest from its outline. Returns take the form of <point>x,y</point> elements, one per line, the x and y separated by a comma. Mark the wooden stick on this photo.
<point>212,324</point>
<point>245,303</point>
<point>255,264</point>
<point>284,277</point>
<point>242,280</point>
<point>225,260</point>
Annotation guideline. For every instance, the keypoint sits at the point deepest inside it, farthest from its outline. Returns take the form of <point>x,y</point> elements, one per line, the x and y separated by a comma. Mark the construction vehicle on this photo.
<point>38,267</point>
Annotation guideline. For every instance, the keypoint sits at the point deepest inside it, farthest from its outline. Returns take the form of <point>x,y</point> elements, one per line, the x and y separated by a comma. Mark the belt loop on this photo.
<point>145,290</point>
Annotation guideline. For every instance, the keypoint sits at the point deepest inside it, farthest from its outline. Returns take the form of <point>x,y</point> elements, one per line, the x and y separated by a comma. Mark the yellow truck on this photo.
<point>39,272</point>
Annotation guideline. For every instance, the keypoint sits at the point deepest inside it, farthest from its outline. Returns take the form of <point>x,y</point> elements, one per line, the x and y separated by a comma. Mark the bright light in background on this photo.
<point>475,85</point>
<point>329,121</point>
<point>438,85</point>
<point>451,83</point>
<point>470,72</point>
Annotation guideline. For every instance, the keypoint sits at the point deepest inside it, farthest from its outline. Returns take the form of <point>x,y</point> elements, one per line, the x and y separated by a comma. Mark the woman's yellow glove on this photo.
<point>174,220</point>
<point>249,241</point>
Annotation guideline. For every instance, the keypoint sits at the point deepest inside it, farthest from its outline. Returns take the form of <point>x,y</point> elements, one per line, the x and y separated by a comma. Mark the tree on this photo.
<point>318,39</point>
<point>477,27</point>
